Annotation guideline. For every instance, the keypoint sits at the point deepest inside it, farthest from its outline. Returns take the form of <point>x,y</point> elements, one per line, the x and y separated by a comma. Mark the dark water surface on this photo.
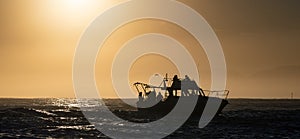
<point>61,118</point>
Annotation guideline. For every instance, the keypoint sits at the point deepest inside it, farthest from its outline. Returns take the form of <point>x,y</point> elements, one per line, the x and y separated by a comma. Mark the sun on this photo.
<point>77,2</point>
<point>74,4</point>
<point>63,13</point>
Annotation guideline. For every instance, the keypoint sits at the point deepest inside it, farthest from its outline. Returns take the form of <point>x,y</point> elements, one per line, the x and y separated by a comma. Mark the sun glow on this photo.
<point>78,4</point>
<point>65,13</point>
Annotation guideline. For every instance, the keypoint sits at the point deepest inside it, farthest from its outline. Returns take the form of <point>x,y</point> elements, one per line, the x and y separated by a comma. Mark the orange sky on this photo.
<point>260,40</point>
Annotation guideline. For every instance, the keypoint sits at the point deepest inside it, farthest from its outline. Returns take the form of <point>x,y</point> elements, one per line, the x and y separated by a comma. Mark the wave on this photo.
<point>241,119</point>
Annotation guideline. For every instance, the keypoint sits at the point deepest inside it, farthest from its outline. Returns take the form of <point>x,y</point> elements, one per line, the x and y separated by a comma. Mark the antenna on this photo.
<point>166,77</point>
<point>292,95</point>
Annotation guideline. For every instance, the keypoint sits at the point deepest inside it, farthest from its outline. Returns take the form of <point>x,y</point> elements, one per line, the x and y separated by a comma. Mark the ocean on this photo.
<point>61,118</point>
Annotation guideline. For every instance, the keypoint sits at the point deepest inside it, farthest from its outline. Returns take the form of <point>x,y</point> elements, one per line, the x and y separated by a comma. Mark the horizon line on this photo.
<point>10,97</point>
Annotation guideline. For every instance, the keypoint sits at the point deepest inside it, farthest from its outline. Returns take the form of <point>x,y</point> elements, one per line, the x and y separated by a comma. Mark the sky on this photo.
<point>260,40</point>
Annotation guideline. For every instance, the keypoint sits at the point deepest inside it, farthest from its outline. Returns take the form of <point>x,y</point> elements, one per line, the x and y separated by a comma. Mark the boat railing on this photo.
<point>223,94</point>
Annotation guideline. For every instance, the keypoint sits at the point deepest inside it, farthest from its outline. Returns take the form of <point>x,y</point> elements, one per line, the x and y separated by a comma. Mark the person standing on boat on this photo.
<point>151,99</point>
<point>140,96</point>
<point>159,97</point>
<point>176,85</point>
<point>185,85</point>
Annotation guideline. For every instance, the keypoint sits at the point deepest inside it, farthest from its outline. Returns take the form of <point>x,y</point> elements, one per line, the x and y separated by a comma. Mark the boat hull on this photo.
<point>164,107</point>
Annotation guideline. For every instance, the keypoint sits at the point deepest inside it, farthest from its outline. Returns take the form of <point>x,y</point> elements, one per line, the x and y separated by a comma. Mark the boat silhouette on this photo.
<point>175,88</point>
